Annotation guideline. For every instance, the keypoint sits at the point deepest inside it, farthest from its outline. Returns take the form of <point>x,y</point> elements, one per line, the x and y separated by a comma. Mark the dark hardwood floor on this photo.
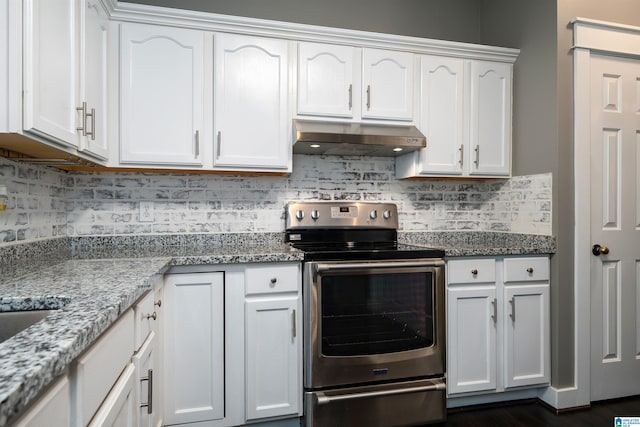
<point>532,414</point>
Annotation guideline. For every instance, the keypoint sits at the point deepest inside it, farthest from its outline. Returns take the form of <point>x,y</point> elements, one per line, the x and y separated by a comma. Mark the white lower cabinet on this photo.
<point>273,334</point>
<point>497,324</point>
<point>52,409</point>
<point>194,341</point>
<point>232,344</point>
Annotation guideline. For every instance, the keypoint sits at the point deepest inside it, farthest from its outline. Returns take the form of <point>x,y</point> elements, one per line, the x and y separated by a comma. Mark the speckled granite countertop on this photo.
<point>90,282</point>
<point>88,291</point>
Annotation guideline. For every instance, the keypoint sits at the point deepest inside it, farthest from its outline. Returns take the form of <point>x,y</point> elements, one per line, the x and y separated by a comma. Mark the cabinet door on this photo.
<point>51,49</point>
<point>326,79</point>
<point>471,338</point>
<point>118,409</point>
<point>147,383</point>
<point>161,95</point>
<point>250,91</point>
<point>527,352</point>
<point>193,347</point>
<point>442,115</point>
<point>387,84</point>
<point>273,363</point>
<point>94,82</point>
<point>53,409</point>
<point>490,118</point>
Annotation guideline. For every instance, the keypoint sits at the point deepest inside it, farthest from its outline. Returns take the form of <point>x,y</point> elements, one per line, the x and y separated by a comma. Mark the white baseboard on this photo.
<point>562,398</point>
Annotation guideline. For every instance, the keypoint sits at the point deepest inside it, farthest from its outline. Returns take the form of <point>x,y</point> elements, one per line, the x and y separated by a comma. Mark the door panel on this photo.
<point>614,223</point>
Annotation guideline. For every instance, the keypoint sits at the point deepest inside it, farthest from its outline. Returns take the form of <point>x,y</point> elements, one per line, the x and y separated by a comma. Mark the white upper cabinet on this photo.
<point>355,83</point>
<point>490,118</point>
<point>251,121</point>
<point>161,95</point>
<point>387,84</point>
<point>51,50</point>
<point>65,72</point>
<point>465,113</point>
<point>94,88</point>
<point>326,77</point>
<point>442,114</point>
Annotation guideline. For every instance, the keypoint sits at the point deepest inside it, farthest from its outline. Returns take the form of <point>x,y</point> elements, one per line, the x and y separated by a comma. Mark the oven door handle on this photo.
<point>319,268</point>
<point>323,399</point>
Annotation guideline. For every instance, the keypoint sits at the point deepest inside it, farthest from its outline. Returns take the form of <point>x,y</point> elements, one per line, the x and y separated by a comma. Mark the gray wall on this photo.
<point>438,19</point>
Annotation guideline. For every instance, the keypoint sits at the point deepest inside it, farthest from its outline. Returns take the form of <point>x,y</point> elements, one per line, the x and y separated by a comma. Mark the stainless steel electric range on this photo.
<point>374,322</point>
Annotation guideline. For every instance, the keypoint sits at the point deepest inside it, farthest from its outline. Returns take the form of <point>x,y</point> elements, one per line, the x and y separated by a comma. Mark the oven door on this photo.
<point>373,321</point>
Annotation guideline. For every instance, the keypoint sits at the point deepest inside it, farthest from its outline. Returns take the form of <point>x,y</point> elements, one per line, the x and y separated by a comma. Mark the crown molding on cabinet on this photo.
<point>131,12</point>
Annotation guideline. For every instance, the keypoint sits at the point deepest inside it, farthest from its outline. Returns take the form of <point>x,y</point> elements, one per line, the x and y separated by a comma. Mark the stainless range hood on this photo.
<point>346,139</point>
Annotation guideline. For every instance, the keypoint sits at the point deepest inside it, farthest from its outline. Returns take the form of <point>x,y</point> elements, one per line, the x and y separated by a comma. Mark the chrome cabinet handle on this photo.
<point>93,124</point>
<point>273,280</point>
<point>512,301</point>
<point>219,142</point>
<point>474,271</point>
<point>197,142</point>
<point>530,270</point>
<point>83,110</point>
<point>461,161</point>
<point>350,96</point>
<point>477,160</point>
<point>149,379</point>
<point>368,97</point>
<point>494,303</point>
<point>294,332</point>
<point>158,303</point>
<point>153,316</point>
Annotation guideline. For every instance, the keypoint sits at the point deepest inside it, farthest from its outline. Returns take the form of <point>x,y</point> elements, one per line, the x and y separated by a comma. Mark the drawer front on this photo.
<point>144,311</point>
<point>481,270</point>
<point>99,368</point>
<point>272,278</point>
<point>526,269</point>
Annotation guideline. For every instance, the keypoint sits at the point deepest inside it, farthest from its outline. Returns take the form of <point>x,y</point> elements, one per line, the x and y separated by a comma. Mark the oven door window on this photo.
<point>376,313</point>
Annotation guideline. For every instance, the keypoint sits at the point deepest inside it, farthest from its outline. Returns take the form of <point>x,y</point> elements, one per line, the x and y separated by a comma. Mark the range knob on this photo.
<point>373,214</point>
<point>300,215</point>
<point>386,214</point>
<point>315,214</point>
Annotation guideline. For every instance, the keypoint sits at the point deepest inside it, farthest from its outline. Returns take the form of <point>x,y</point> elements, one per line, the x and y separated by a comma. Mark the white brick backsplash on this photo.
<point>45,202</point>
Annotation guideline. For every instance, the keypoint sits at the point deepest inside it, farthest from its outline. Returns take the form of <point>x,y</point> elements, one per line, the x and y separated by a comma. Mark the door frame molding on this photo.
<point>603,38</point>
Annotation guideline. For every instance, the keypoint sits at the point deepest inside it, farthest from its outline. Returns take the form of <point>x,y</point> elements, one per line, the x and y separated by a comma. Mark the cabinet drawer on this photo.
<point>528,269</point>
<point>144,312</point>
<point>482,270</point>
<point>99,368</point>
<point>270,278</point>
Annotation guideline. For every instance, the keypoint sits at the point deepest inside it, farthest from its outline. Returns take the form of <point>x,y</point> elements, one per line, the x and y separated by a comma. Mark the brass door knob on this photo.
<point>598,250</point>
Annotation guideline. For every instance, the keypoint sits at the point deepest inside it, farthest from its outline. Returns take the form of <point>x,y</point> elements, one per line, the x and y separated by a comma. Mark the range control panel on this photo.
<point>341,214</point>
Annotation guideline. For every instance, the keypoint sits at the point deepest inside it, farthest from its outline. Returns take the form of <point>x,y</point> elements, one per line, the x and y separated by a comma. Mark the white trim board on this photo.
<point>603,38</point>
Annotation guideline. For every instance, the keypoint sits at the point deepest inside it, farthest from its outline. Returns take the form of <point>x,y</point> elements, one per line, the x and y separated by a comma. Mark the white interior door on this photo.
<point>615,224</point>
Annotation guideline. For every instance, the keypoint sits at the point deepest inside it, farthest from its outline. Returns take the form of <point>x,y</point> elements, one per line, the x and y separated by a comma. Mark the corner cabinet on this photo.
<point>355,83</point>
<point>251,120</point>
<point>498,336</point>
<point>465,113</point>
<point>161,95</point>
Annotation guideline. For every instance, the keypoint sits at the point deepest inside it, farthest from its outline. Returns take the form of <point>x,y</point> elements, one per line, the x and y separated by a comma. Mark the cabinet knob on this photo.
<point>474,272</point>
<point>274,280</point>
<point>158,303</point>
<point>153,316</point>
<point>530,270</point>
